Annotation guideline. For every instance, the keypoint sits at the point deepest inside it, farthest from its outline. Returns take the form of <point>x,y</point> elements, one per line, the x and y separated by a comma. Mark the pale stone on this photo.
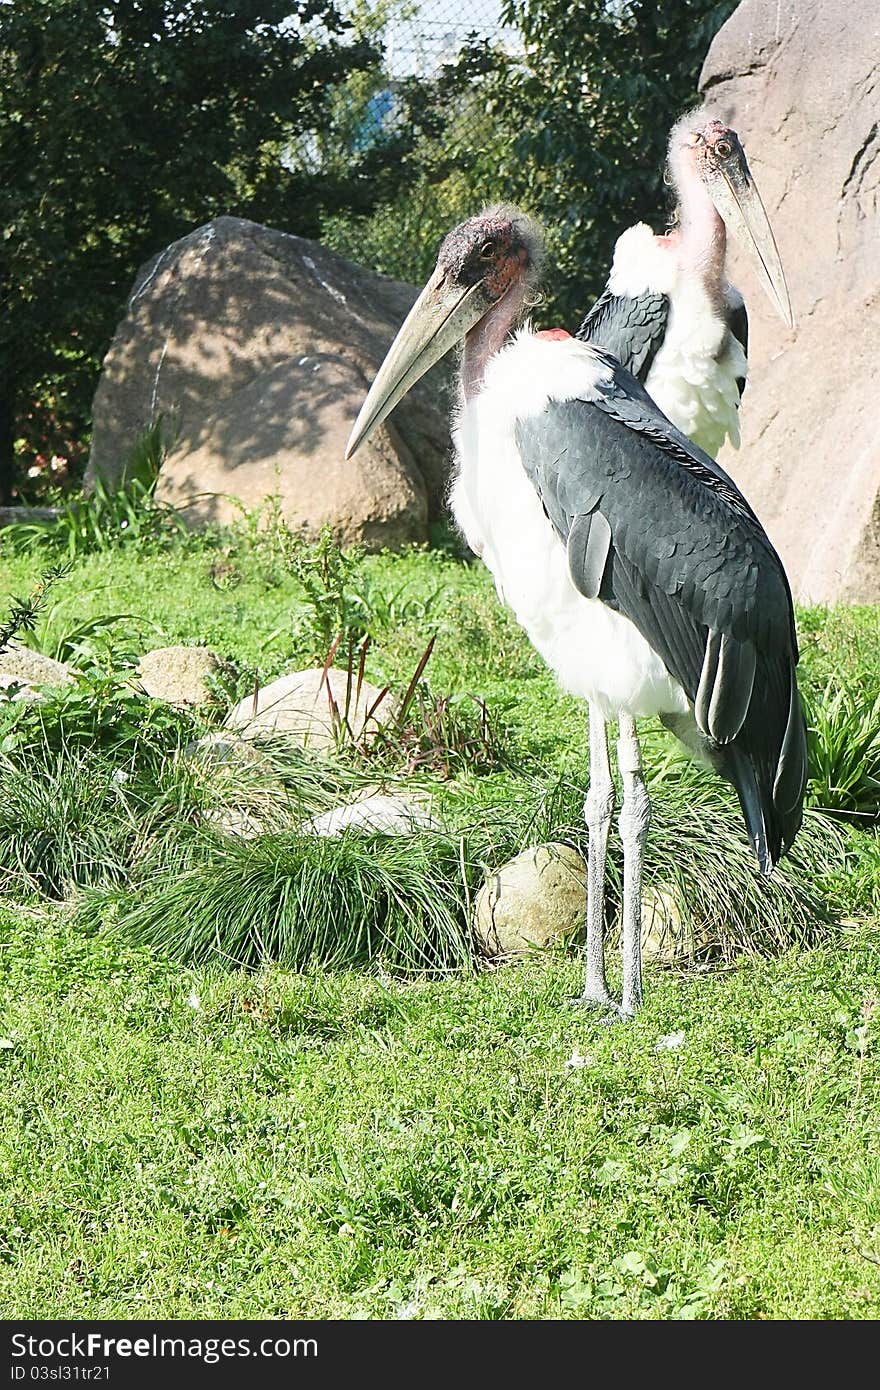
<point>178,675</point>
<point>667,937</point>
<point>532,901</point>
<point>14,688</point>
<point>234,821</point>
<point>32,668</point>
<point>400,813</point>
<point>299,705</point>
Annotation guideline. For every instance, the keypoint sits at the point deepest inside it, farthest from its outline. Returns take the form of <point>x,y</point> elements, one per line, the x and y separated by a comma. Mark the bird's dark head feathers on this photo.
<point>497,248</point>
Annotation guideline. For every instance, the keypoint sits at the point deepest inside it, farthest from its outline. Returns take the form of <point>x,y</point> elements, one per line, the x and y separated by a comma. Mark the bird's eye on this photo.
<point>723,149</point>
<point>487,250</point>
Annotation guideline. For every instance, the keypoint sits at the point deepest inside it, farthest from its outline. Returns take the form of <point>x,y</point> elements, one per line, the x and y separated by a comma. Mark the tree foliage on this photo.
<point>123,125</point>
<point>584,115</point>
<point>126,123</point>
<point>571,120</point>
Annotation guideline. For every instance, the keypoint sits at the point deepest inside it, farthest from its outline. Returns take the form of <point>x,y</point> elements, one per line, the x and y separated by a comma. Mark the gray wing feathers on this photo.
<point>725,690</point>
<point>737,318</point>
<point>631,328</point>
<point>685,530</point>
<point>738,325</point>
<point>792,768</point>
<point>589,542</point>
<point>656,530</point>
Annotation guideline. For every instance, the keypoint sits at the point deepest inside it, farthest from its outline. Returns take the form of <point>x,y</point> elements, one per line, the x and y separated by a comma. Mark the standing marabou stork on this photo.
<point>633,562</point>
<point>668,312</point>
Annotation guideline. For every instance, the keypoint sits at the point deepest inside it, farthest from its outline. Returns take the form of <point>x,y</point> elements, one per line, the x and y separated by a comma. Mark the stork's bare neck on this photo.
<point>700,239</point>
<point>489,336</point>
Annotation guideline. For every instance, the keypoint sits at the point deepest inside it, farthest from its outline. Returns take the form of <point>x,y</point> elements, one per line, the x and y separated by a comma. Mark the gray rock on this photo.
<point>399,813</point>
<point>535,899</point>
<point>243,824</point>
<point>224,747</point>
<point>257,347</point>
<point>33,668</point>
<point>299,705</point>
<point>800,81</point>
<point>178,675</point>
<point>11,516</point>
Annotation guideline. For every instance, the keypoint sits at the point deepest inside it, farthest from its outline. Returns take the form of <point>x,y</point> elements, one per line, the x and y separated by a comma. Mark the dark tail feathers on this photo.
<point>770,777</point>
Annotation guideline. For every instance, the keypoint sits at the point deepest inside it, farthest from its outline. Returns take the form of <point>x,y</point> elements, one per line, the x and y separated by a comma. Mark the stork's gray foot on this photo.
<point>594,1000</point>
<point>601,1002</point>
<point>611,1011</point>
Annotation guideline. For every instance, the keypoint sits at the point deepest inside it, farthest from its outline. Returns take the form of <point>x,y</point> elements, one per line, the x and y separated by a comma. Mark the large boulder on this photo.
<point>800,81</point>
<point>257,348</point>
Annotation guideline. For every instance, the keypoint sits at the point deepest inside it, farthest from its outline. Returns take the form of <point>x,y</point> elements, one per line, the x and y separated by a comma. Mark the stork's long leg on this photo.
<point>635,816</point>
<point>598,809</point>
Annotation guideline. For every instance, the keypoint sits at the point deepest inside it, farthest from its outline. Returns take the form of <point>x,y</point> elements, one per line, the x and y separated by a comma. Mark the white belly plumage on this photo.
<point>596,653</point>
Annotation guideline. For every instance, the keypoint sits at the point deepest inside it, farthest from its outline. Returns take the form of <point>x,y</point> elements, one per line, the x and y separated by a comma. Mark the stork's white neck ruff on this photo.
<point>595,652</point>
<point>694,377</point>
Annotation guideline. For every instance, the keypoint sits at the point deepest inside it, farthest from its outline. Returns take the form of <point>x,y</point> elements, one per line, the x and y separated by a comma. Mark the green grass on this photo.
<point>196,1143</point>
<point>384,1141</point>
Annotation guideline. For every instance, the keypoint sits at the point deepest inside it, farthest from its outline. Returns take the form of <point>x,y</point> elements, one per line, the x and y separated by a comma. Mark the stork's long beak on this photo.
<point>440,318</point>
<point>736,197</point>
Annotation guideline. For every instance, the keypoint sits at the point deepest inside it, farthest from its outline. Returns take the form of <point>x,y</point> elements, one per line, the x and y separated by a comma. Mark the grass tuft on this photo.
<point>65,822</point>
<point>843,728</point>
<point>302,900</point>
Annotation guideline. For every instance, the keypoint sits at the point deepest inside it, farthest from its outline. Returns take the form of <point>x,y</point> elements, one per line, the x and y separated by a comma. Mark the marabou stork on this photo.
<point>631,559</point>
<point>668,312</point>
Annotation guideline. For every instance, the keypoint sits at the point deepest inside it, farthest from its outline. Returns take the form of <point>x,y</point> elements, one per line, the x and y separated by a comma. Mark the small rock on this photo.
<point>666,936</point>
<point>535,899</point>
<point>299,705</point>
<point>13,688</point>
<point>29,668</point>
<point>223,746</point>
<point>399,814</point>
<point>178,675</point>
<point>248,796</point>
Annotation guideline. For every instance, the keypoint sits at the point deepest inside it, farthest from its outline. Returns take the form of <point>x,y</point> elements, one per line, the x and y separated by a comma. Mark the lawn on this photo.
<point>193,1140</point>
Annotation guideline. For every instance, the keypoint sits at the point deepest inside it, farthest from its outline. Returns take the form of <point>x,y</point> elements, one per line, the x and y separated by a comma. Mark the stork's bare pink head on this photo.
<point>705,151</point>
<point>704,145</point>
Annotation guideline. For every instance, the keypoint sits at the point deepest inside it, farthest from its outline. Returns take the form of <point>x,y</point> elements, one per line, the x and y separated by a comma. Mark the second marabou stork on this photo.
<point>631,559</point>
<point>668,312</point>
